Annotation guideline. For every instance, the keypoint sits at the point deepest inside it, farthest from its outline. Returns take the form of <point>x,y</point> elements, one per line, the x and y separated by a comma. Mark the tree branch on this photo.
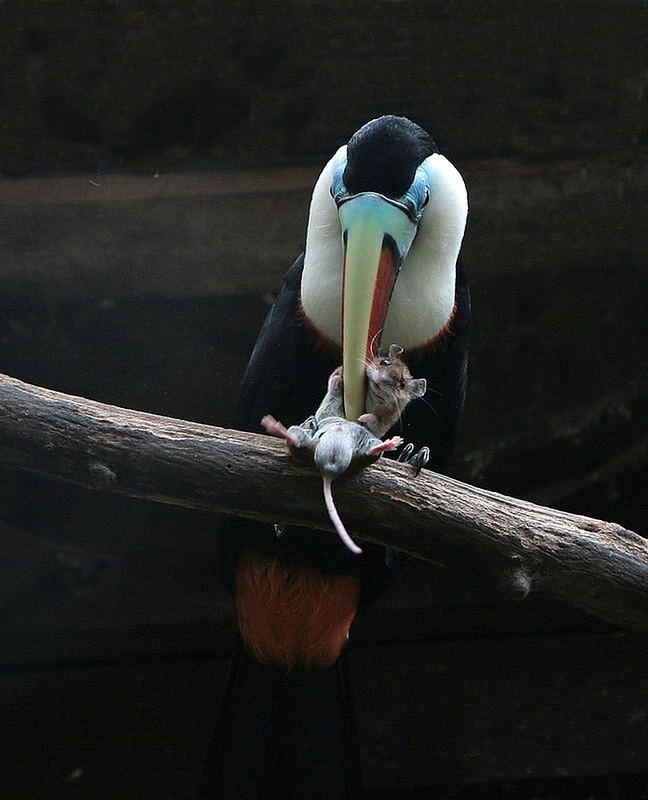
<point>508,544</point>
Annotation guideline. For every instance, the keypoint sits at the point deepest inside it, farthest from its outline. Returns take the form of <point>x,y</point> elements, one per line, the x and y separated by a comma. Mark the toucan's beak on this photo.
<point>377,234</point>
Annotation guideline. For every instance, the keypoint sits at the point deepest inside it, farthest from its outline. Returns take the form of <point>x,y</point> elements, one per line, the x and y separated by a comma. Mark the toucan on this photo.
<point>381,266</point>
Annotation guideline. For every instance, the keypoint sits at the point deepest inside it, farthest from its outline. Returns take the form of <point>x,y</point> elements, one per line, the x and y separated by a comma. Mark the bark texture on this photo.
<point>512,545</point>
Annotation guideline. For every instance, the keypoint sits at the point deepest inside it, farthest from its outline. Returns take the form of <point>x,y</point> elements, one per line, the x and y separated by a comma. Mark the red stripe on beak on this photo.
<point>385,281</point>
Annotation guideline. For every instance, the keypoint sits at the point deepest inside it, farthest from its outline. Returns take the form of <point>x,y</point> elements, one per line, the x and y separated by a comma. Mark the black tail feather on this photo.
<point>284,735</point>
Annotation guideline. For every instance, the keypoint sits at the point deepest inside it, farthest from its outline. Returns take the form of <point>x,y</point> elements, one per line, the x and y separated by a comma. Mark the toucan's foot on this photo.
<point>406,453</point>
<point>416,460</point>
<point>310,424</point>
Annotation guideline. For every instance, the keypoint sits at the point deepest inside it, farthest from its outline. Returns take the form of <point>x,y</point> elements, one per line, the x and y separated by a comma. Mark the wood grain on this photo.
<point>513,546</point>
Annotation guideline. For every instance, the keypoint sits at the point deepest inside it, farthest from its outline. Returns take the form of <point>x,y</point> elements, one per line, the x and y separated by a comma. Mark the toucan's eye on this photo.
<point>385,362</point>
<point>426,199</point>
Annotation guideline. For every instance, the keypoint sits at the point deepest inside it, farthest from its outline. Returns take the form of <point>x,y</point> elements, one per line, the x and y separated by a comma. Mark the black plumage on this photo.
<point>289,733</point>
<point>384,157</point>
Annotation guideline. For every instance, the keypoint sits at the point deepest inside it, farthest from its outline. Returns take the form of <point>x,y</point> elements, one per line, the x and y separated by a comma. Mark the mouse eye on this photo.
<point>401,385</point>
<point>385,362</point>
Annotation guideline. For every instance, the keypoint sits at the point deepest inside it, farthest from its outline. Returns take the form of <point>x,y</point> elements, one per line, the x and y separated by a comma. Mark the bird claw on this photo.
<point>406,453</point>
<point>416,460</point>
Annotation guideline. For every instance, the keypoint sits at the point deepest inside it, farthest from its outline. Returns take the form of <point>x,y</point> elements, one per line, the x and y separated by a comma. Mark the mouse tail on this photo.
<point>335,517</point>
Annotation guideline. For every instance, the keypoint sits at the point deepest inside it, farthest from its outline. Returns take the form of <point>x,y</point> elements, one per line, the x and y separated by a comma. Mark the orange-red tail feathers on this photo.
<point>293,615</point>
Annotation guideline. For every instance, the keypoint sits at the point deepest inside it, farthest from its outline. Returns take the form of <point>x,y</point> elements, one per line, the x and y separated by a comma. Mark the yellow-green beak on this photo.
<point>377,235</point>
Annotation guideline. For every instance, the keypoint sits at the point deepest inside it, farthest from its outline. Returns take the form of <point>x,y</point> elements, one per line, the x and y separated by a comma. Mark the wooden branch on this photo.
<point>508,544</point>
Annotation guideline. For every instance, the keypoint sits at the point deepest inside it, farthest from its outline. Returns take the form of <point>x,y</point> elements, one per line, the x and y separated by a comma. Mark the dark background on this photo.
<point>156,161</point>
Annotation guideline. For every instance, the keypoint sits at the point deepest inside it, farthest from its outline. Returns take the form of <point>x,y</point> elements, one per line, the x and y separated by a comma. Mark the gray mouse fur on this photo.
<point>332,444</point>
<point>390,387</point>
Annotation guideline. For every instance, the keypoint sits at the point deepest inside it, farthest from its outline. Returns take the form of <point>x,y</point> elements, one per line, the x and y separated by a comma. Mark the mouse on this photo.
<point>333,445</point>
<point>390,387</point>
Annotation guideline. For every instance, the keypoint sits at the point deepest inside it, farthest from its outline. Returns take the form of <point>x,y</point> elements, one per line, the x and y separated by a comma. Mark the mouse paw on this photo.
<point>390,444</point>
<point>368,420</point>
<point>335,381</point>
<point>416,460</point>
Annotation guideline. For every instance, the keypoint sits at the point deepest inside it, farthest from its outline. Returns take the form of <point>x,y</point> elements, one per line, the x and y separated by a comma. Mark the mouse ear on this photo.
<point>395,350</point>
<point>418,387</point>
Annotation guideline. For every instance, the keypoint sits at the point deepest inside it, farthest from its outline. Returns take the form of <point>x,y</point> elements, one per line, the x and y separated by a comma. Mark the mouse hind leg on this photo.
<point>296,436</point>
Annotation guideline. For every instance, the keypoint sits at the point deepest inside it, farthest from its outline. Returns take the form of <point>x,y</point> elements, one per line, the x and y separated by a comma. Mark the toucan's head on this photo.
<point>386,222</point>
